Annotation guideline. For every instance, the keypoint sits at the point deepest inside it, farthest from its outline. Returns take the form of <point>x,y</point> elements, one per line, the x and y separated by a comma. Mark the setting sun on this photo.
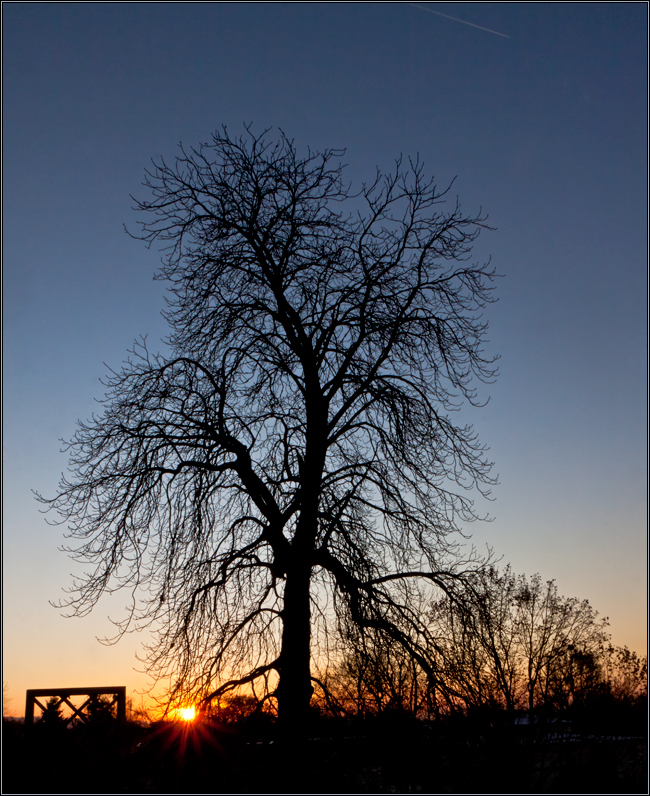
<point>187,714</point>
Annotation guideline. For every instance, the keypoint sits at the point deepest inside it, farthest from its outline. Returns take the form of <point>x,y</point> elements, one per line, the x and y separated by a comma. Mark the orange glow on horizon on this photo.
<point>187,714</point>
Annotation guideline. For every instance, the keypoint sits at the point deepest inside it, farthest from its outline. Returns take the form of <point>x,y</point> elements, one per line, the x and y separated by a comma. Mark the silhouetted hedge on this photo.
<point>486,752</point>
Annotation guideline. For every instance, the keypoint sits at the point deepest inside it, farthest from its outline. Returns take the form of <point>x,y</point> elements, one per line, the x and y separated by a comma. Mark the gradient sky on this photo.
<point>545,128</point>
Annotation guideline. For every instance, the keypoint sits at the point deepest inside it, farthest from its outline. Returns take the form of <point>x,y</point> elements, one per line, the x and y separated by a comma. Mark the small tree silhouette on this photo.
<point>52,716</point>
<point>101,711</point>
<point>6,700</point>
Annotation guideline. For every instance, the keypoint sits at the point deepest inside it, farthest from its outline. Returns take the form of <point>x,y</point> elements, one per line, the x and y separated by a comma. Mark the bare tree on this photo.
<point>291,466</point>
<point>624,673</point>
<point>476,649</point>
<point>516,642</point>
<point>550,625</point>
<point>374,674</point>
<point>6,699</point>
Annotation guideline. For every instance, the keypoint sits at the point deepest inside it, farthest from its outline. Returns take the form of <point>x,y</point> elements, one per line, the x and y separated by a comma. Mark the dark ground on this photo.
<point>378,756</point>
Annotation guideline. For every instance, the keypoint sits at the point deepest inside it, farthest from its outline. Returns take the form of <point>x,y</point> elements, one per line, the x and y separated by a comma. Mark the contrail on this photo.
<point>471,24</point>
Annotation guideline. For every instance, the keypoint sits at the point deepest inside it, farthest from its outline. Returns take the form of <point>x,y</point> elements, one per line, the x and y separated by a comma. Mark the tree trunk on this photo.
<point>294,689</point>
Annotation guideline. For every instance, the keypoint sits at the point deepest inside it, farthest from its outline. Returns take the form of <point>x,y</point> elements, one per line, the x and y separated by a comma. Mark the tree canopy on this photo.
<point>291,468</point>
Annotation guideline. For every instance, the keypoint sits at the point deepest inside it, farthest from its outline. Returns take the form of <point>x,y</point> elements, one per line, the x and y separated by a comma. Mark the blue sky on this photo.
<point>545,130</point>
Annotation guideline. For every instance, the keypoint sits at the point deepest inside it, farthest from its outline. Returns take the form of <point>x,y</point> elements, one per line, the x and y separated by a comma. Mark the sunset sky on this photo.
<point>538,109</point>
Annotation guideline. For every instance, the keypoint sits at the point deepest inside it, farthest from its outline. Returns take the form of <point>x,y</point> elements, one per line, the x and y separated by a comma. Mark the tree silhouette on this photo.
<point>6,699</point>
<point>516,642</point>
<point>290,468</point>
<point>102,711</point>
<point>52,715</point>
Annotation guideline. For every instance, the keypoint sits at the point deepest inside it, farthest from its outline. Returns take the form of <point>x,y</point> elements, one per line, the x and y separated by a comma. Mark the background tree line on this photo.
<point>511,642</point>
